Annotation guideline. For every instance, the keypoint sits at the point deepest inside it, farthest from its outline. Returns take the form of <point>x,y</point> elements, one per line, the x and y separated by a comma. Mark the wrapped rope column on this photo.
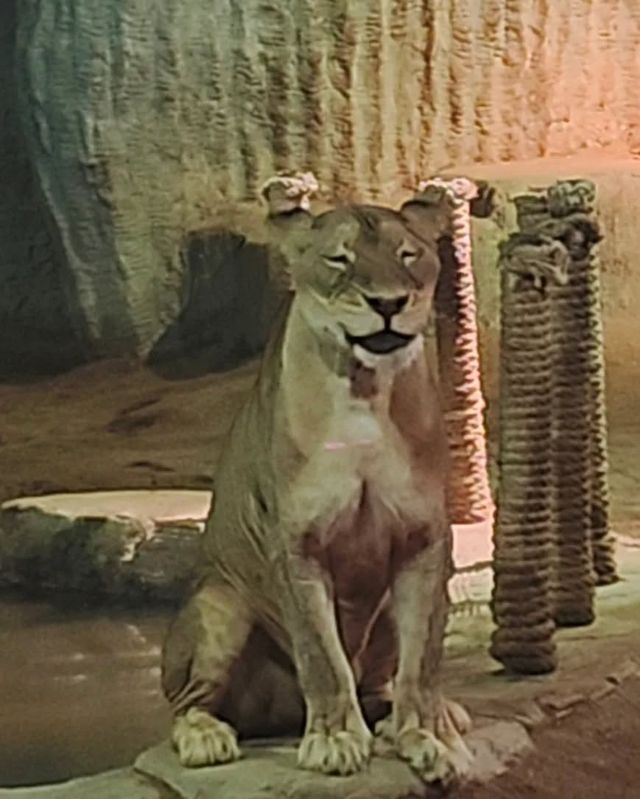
<point>574,588</point>
<point>469,493</point>
<point>571,403</point>
<point>524,542</point>
<point>578,197</point>
<point>603,542</point>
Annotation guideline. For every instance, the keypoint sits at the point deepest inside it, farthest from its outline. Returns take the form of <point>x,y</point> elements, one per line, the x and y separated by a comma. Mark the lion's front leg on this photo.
<point>336,738</point>
<point>424,729</point>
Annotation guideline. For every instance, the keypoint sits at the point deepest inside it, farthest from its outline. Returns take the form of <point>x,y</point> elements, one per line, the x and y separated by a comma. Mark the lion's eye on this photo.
<point>408,257</point>
<point>340,261</point>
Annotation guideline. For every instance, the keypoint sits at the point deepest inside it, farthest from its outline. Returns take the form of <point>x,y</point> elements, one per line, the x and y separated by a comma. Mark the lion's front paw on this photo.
<point>343,752</point>
<point>442,758</point>
<point>202,740</point>
<point>426,755</point>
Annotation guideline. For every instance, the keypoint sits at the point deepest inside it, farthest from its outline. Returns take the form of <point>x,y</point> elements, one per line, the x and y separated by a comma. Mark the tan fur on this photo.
<point>328,550</point>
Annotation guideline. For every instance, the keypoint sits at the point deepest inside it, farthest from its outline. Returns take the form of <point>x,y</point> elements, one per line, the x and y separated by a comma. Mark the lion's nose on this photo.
<point>388,307</point>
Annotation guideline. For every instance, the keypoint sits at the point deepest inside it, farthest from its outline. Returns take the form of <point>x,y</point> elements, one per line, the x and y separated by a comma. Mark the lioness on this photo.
<point>327,553</point>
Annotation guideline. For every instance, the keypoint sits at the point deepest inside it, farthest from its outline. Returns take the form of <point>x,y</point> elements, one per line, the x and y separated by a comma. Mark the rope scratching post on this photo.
<point>523,602</point>
<point>561,496</point>
<point>575,199</point>
<point>559,213</point>
<point>469,493</point>
<point>575,580</point>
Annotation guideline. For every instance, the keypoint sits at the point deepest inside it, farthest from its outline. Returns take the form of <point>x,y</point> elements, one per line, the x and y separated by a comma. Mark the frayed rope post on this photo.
<point>469,493</point>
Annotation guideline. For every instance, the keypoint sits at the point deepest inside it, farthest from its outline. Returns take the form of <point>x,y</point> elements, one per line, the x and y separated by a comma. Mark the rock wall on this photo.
<point>39,321</point>
<point>147,120</point>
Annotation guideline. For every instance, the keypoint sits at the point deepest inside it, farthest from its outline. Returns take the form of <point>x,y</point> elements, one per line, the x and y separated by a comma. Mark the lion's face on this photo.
<point>365,279</point>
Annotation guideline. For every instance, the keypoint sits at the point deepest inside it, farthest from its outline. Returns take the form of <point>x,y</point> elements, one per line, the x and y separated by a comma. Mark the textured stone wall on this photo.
<point>150,119</point>
<point>39,322</point>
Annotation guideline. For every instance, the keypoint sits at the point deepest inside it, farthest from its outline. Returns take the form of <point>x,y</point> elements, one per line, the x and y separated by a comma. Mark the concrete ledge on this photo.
<point>127,543</point>
<point>145,544</point>
<point>121,784</point>
<point>270,770</point>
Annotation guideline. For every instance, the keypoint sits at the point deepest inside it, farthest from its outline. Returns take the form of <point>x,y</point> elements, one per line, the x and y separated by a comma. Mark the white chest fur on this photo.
<point>358,446</point>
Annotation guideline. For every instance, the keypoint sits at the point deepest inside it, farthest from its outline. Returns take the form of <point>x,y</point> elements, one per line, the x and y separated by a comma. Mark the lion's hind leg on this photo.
<point>378,667</point>
<point>200,650</point>
<point>424,728</point>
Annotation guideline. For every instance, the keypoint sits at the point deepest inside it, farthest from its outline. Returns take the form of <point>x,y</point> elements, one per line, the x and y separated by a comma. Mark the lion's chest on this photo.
<point>358,497</point>
<point>355,446</point>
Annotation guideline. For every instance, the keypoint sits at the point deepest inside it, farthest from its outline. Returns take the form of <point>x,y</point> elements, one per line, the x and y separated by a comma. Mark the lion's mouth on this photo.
<point>381,343</point>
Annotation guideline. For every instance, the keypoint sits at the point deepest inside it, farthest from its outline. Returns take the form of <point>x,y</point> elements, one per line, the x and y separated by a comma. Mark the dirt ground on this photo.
<point>115,425</point>
<point>590,755</point>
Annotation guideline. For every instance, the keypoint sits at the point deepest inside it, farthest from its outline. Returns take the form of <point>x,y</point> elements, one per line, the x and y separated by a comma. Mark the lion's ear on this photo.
<point>428,214</point>
<point>288,236</point>
<point>288,222</point>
